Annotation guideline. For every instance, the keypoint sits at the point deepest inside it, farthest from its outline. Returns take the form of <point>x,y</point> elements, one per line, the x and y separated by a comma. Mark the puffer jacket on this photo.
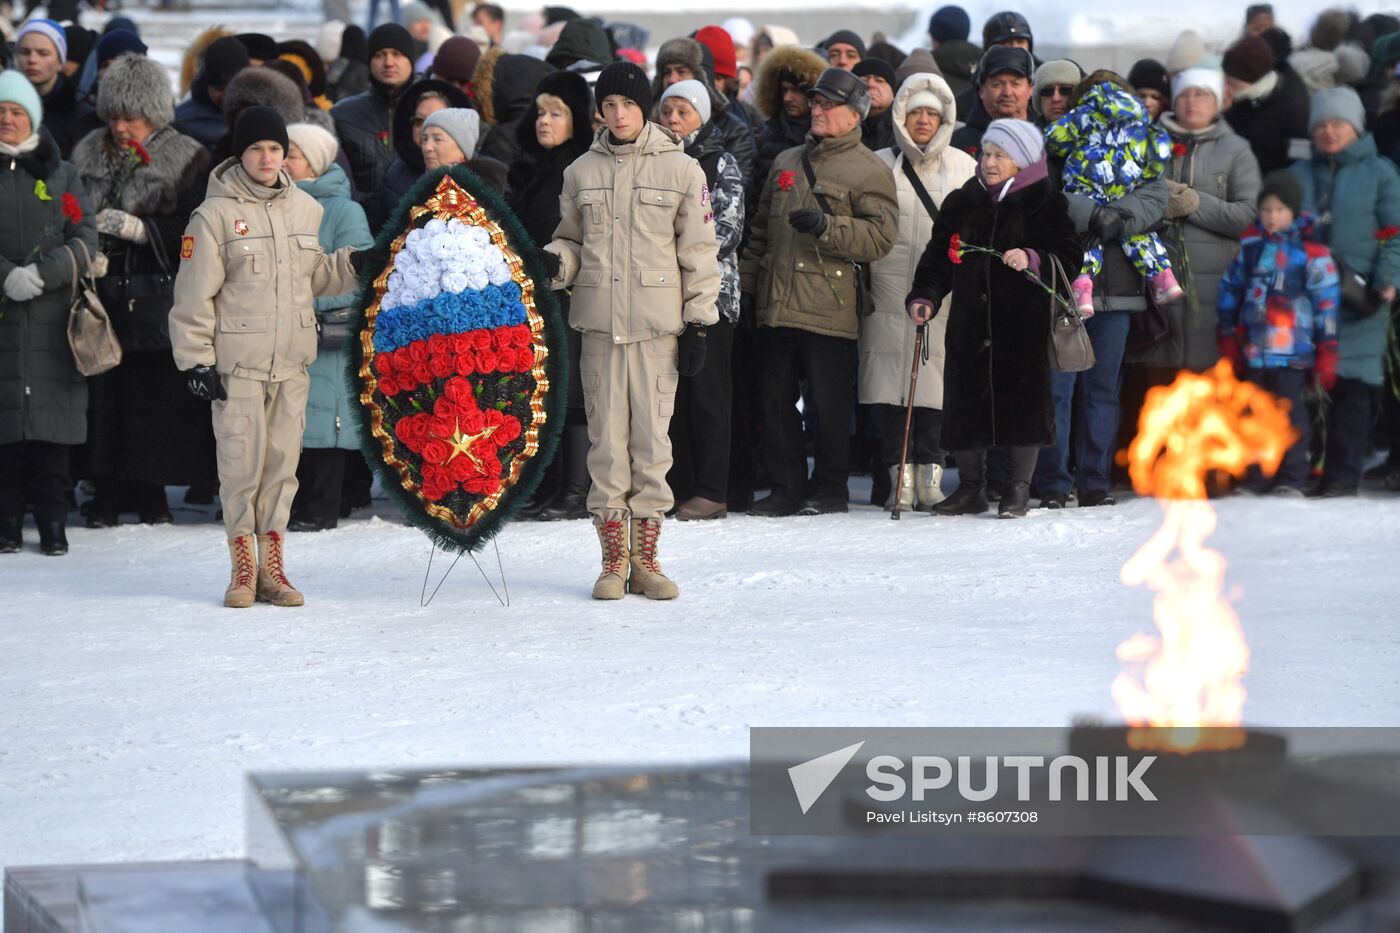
<point>1356,195</point>
<point>250,264</point>
<point>636,239</point>
<point>1281,290</point>
<point>1219,166</point>
<point>42,395</point>
<point>808,282</point>
<point>725,182</point>
<point>364,124</point>
<point>328,401</point>
<point>887,336</point>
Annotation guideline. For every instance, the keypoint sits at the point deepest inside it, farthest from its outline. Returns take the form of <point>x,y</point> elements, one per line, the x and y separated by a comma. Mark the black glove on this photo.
<point>690,350</point>
<point>748,309</point>
<point>364,257</point>
<point>551,262</point>
<point>1107,223</point>
<point>204,383</point>
<point>808,220</point>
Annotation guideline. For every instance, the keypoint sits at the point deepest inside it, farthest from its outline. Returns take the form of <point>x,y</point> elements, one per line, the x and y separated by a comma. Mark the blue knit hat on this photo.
<point>49,30</point>
<point>16,89</point>
<point>949,23</point>
<point>118,42</point>
<point>1337,103</point>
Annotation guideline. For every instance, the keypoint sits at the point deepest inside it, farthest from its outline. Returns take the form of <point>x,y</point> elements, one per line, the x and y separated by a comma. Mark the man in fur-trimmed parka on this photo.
<point>243,328</point>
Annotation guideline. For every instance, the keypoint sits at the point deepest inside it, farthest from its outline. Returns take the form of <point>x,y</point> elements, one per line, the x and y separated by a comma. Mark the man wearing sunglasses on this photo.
<point>1054,84</point>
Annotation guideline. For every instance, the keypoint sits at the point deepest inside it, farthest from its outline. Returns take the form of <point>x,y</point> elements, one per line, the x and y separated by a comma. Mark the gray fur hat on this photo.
<point>136,86</point>
<point>260,86</point>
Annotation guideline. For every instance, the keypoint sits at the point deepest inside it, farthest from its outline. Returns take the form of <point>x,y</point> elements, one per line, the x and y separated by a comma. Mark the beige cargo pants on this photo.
<point>629,393</point>
<point>257,433</point>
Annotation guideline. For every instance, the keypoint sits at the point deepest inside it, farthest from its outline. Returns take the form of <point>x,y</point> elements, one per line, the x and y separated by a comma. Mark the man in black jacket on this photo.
<point>1003,83</point>
<point>365,122</point>
<point>1269,108</point>
<point>684,59</point>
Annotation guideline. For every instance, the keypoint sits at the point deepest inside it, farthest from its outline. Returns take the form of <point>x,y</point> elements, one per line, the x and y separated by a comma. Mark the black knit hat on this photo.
<point>255,125</point>
<point>1151,74</point>
<point>259,45</point>
<point>877,67</point>
<point>224,58</point>
<point>1285,186</point>
<point>846,37</point>
<point>626,79</point>
<point>391,36</point>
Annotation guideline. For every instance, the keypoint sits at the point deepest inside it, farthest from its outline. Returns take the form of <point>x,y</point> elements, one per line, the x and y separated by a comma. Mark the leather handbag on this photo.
<point>1071,350</point>
<point>141,301</point>
<point>91,336</point>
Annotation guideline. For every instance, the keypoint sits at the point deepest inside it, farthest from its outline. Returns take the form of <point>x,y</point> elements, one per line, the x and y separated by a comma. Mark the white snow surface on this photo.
<point>132,704</point>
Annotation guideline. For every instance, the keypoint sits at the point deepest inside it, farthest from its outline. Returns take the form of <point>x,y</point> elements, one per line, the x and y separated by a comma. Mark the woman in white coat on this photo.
<point>924,116</point>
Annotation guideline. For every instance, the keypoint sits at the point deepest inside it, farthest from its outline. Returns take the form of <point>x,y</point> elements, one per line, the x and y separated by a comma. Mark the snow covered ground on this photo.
<point>132,703</point>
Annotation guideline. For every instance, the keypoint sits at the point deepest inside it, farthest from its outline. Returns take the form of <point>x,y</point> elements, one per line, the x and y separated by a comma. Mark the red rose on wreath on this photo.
<point>487,361</point>
<point>466,363</point>
<point>481,340</point>
<point>439,344</point>
<point>787,180</point>
<point>460,444</point>
<point>417,351</point>
<point>459,392</point>
<point>422,374</point>
<point>461,343</point>
<point>388,386</point>
<point>522,335</point>
<point>441,365</point>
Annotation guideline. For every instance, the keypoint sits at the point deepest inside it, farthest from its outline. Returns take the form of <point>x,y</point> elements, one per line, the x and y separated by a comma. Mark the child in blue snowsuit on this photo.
<point>1277,312</point>
<point>1110,148</point>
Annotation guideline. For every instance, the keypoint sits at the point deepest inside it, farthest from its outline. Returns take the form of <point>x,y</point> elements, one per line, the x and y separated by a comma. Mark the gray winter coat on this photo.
<point>887,336</point>
<point>1220,167</point>
<point>42,396</point>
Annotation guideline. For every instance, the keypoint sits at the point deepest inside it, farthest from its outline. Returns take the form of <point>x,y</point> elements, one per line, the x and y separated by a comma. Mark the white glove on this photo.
<point>98,268</point>
<point>23,283</point>
<point>121,225</point>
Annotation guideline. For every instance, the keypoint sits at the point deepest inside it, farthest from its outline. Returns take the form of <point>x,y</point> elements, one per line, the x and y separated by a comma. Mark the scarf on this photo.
<point>24,148</point>
<point>1036,171</point>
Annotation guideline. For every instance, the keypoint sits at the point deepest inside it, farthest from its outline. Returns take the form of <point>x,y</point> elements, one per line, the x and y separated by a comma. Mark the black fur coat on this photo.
<point>996,380</point>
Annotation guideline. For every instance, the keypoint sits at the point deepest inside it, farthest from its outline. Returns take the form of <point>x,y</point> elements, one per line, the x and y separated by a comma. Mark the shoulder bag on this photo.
<point>1071,350</point>
<point>91,336</point>
<point>865,296</point>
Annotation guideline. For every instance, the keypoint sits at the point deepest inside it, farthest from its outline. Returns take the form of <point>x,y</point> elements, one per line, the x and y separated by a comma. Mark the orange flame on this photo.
<point>1191,672</point>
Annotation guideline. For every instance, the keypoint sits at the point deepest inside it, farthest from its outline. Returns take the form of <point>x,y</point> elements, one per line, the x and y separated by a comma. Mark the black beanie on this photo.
<point>256,124</point>
<point>391,36</point>
<point>1152,74</point>
<point>223,59</point>
<point>846,37</point>
<point>260,46</point>
<point>877,67</point>
<point>1285,186</point>
<point>353,46</point>
<point>626,79</point>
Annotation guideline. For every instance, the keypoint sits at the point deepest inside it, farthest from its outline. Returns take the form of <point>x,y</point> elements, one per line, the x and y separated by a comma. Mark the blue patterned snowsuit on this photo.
<point>1110,148</point>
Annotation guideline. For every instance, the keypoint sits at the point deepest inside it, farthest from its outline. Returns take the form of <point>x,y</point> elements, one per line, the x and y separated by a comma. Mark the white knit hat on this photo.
<point>695,93</point>
<point>1019,139</point>
<point>318,145</point>
<point>1208,79</point>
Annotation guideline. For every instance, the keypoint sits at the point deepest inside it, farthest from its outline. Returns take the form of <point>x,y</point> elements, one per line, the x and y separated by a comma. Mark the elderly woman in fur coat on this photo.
<point>996,377</point>
<point>143,178</point>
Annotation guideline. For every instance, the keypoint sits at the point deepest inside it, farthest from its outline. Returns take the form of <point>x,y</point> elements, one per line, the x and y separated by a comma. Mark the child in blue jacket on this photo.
<point>1277,312</point>
<point>1110,148</point>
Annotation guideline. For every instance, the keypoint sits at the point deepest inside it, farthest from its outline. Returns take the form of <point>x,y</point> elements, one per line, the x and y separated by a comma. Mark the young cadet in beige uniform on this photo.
<point>244,329</point>
<point>636,241</point>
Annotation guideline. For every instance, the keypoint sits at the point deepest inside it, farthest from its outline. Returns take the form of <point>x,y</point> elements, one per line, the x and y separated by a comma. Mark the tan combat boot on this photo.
<point>612,582</point>
<point>647,576</point>
<point>244,575</point>
<point>273,585</point>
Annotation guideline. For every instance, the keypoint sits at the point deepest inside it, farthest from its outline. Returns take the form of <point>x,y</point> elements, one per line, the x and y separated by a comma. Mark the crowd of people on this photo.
<point>820,209</point>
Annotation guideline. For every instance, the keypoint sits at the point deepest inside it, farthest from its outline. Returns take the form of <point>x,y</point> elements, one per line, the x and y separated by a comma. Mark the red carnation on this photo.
<point>481,340</point>
<point>71,208</point>
<point>471,420</point>
<point>388,386</point>
<point>955,249</point>
<point>439,344</point>
<point>1387,233</point>
<point>422,374</point>
<point>1178,149</point>
<point>441,366</point>
<point>137,152</point>
<point>787,180</point>
<point>466,363</point>
<point>459,391</point>
<point>487,361</point>
<point>523,337</point>
<point>461,343</point>
<point>384,364</point>
<point>524,360</point>
<point>436,451</point>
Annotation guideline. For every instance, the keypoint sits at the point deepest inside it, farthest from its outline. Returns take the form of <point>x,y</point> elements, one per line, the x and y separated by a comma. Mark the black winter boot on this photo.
<point>1015,499</point>
<point>572,500</point>
<point>970,498</point>
<point>52,539</point>
<point>11,534</point>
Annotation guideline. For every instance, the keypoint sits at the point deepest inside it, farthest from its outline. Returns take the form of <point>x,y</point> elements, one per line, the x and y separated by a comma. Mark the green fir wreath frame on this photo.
<point>465,196</point>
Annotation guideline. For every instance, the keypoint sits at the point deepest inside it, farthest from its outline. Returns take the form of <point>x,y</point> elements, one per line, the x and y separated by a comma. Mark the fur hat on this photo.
<point>262,86</point>
<point>1248,60</point>
<point>139,87</point>
<point>785,63</point>
<point>317,145</point>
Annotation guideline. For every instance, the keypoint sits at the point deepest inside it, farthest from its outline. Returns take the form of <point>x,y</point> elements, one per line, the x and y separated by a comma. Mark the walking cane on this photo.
<point>920,351</point>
